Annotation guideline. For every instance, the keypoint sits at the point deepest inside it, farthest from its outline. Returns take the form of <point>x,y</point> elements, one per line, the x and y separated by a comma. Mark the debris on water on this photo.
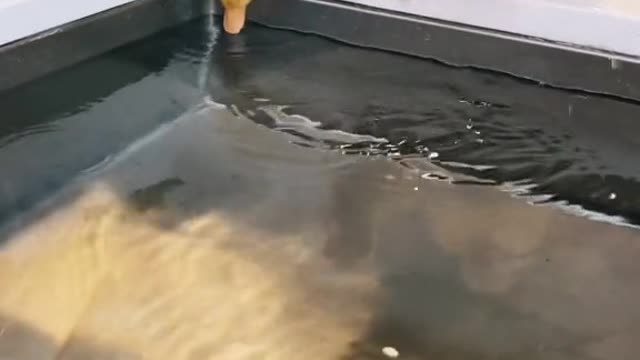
<point>415,188</point>
<point>390,352</point>
<point>469,126</point>
<point>433,155</point>
<point>613,196</point>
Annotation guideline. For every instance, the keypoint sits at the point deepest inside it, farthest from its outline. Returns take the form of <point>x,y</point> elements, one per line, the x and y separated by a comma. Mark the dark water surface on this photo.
<point>398,168</point>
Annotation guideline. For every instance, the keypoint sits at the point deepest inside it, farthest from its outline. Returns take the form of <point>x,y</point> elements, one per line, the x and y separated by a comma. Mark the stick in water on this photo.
<point>235,14</point>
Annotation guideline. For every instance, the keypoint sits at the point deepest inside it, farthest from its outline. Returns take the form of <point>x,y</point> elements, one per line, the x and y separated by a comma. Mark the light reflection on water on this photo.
<point>218,237</point>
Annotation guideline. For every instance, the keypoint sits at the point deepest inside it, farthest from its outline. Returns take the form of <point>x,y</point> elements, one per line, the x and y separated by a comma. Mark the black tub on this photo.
<point>177,193</point>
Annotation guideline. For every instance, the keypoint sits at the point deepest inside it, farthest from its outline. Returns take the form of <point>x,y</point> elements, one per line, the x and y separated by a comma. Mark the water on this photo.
<point>278,194</point>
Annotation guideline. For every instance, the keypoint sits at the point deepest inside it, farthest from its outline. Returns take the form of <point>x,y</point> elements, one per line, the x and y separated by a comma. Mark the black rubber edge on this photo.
<point>552,64</point>
<point>556,65</point>
<point>54,49</point>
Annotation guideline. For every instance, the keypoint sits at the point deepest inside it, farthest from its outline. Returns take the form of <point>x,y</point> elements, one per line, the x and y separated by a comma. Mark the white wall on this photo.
<point>605,24</point>
<point>22,18</point>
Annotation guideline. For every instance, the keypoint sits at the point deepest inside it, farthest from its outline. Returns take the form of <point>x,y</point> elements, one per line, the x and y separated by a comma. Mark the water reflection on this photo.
<point>56,127</point>
<point>500,129</point>
<point>217,237</point>
<point>220,239</point>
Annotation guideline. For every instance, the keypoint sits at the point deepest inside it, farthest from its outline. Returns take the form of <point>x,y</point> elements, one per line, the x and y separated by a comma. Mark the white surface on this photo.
<point>612,25</point>
<point>22,18</point>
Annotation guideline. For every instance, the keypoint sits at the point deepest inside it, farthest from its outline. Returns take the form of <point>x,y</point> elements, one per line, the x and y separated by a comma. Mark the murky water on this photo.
<point>277,194</point>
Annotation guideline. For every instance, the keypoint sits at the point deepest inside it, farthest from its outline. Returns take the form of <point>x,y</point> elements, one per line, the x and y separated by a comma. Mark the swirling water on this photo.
<point>317,199</point>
